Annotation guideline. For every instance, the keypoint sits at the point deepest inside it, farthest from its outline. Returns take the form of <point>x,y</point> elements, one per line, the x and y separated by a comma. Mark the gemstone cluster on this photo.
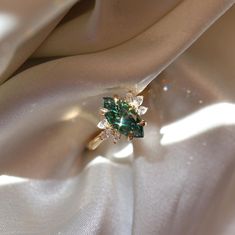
<point>122,116</point>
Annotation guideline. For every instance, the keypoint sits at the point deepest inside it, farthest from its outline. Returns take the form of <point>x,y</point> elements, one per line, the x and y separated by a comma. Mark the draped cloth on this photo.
<point>58,58</point>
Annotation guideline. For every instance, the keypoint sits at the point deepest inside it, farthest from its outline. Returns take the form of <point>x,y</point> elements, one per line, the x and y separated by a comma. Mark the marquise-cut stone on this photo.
<point>123,117</point>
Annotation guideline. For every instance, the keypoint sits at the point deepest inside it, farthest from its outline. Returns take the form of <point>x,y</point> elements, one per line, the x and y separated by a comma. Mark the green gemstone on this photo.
<point>109,103</point>
<point>123,106</point>
<point>123,117</point>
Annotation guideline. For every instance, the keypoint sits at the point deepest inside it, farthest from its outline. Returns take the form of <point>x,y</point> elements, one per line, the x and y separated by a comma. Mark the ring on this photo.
<point>121,117</point>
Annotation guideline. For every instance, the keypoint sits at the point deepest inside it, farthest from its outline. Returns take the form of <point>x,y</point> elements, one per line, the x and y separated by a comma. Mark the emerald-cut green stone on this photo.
<point>123,117</point>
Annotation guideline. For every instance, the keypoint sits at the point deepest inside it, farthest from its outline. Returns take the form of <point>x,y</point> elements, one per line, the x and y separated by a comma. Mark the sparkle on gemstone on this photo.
<point>123,117</point>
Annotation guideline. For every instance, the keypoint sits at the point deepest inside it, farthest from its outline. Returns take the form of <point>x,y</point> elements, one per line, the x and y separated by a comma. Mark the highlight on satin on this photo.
<point>210,117</point>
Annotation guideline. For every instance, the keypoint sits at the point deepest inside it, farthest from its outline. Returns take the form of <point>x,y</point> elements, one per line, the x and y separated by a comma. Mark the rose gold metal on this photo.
<point>142,123</point>
<point>94,143</point>
<point>130,136</point>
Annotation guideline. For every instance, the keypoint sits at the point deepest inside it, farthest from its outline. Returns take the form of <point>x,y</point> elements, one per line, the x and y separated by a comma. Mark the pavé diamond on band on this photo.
<point>121,117</point>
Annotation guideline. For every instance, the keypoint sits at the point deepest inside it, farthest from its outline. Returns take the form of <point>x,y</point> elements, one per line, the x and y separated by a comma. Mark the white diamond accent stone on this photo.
<point>138,100</point>
<point>102,124</point>
<point>116,136</point>
<point>103,110</point>
<point>142,110</point>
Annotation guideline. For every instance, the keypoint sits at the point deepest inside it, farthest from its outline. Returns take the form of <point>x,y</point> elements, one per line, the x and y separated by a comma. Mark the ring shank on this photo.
<point>94,143</point>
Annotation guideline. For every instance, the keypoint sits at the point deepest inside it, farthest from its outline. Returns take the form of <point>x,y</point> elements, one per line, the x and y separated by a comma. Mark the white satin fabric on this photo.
<point>59,58</point>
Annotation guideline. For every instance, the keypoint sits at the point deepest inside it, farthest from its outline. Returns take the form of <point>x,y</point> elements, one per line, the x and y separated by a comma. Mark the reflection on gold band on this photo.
<point>94,143</point>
